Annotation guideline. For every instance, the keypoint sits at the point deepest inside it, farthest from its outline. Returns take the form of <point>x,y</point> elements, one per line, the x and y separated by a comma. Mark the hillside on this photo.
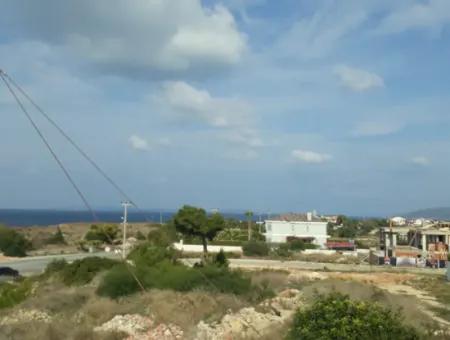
<point>442,213</point>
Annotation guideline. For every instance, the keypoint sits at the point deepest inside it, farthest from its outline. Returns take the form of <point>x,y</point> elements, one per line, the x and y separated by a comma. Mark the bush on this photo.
<point>165,275</point>
<point>55,266</point>
<point>56,238</point>
<point>162,237</point>
<point>104,233</point>
<point>255,248</point>
<point>82,271</point>
<point>337,317</point>
<point>299,245</point>
<point>118,282</point>
<point>283,250</point>
<point>13,293</point>
<point>148,255</point>
<point>13,243</point>
<point>140,236</point>
<point>156,267</point>
<point>220,259</point>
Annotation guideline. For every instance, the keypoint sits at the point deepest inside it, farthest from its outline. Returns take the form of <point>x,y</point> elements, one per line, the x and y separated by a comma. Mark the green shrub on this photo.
<point>337,317</point>
<point>55,266</point>
<point>13,243</point>
<point>155,268</point>
<point>220,259</point>
<point>56,238</point>
<point>148,255</point>
<point>118,282</point>
<point>255,248</point>
<point>13,293</point>
<point>163,236</point>
<point>103,233</point>
<point>140,236</point>
<point>83,271</point>
<point>283,250</point>
<point>224,280</point>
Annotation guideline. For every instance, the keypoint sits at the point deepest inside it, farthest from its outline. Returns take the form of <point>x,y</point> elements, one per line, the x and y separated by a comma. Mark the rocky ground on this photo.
<point>171,315</point>
<point>247,323</point>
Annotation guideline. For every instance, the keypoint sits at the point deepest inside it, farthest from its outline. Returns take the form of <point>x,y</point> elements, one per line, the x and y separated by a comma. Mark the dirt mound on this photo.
<point>253,323</point>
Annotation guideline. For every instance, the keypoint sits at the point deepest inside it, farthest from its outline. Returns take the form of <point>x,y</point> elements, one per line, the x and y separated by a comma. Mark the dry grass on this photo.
<point>276,280</point>
<point>436,286</point>
<point>75,311</point>
<point>326,258</point>
<point>57,330</point>
<point>72,232</point>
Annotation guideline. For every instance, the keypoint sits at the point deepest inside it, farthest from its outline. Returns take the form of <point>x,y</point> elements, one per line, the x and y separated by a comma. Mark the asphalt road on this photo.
<point>37,264</point>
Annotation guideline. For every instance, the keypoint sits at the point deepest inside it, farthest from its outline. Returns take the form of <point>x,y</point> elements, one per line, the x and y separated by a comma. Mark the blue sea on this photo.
<point>25,218</point>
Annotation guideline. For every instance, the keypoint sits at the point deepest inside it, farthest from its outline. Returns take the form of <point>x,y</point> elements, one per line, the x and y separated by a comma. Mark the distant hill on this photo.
<point>442,213</point>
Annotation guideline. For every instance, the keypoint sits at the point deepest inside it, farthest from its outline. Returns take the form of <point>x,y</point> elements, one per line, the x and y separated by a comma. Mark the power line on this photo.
<point>50,149</point>
<point>76,146</point>
<point>67,174</point>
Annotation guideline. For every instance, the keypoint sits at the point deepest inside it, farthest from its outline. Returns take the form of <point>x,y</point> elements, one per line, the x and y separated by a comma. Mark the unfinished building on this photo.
<point>416,245</point>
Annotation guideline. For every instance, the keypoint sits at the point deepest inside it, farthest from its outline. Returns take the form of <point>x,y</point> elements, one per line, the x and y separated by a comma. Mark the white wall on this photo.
<point>196,248</point>
<point>278,231</point>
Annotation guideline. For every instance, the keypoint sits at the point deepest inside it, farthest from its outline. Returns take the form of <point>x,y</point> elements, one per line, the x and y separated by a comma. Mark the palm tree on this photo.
<point>249,215</point>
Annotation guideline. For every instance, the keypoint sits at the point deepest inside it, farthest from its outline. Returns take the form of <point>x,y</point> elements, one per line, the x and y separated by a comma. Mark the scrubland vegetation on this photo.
<point>335,316</point>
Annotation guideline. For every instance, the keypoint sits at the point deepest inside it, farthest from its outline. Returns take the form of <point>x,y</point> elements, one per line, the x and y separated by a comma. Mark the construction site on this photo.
<point>424,244</point>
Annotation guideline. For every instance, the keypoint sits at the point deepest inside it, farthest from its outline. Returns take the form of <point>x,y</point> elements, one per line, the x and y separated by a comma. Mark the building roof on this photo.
<point>296,217</point>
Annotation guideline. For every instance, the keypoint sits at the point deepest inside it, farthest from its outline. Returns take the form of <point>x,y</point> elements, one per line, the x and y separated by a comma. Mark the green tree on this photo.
<point>249,215</point>
<point>193,221</point>
<point>105,233</point>
<point>337,317</point>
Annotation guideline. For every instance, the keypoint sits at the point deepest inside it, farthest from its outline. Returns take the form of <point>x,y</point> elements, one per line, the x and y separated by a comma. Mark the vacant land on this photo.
<point>55,311</point>
<point>73,233</point>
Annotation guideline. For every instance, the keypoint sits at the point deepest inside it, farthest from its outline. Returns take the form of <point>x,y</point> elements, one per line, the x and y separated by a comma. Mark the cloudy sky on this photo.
<point>338,106</point>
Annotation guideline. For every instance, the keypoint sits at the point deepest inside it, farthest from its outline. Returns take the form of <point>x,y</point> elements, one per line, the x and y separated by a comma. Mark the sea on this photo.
<point>31,217</point>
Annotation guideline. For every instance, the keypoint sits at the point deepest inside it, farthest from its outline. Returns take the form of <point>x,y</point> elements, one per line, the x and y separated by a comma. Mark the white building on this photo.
<point>301,226</point>
<point>398,221</point>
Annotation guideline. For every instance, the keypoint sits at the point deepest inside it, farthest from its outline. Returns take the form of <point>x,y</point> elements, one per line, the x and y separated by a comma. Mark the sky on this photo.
<point>293,105</point>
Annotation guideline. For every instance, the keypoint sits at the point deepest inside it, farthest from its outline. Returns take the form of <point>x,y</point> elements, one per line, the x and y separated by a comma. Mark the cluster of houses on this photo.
<point>404,242</point>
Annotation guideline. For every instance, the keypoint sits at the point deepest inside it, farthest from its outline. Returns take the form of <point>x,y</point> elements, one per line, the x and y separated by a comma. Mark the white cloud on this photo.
<point>144,144</point>
<point>191,104</point>
<point>371,128</point>
<point>420,160</point>
<point>317,35</point>
<point>138,143</point>
<point>357,79</point>
<point>244,137</point>
<point>137,36</point>
<point>241,154</point>
<point>307,156</point>
<point>432,14</point>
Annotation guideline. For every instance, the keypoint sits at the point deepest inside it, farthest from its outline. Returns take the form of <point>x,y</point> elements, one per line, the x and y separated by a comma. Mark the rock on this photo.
<point>22,315</point>
<point>139,327</point>
<point>251,324</point>
<point>132,324</point>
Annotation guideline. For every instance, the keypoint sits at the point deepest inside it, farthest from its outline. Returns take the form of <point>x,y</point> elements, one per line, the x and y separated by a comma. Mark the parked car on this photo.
<point>7,271</point>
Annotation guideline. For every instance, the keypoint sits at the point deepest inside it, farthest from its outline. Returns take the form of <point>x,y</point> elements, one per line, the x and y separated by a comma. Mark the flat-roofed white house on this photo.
<point>301,226</point>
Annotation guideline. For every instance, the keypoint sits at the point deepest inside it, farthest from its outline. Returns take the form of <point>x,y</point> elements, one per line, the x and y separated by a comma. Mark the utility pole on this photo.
<point>160,218</point>
<point>125,205</point>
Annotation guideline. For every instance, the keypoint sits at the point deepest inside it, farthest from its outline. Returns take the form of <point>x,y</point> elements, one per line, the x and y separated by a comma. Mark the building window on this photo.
<point>269,227</point>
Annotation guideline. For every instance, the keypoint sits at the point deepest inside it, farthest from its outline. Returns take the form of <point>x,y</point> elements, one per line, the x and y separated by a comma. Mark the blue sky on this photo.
<point>338,106</point>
